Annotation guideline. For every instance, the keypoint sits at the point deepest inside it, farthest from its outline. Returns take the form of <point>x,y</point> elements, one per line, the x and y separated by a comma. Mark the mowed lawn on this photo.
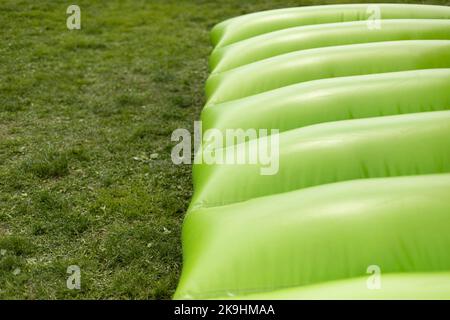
<point>86,116</point>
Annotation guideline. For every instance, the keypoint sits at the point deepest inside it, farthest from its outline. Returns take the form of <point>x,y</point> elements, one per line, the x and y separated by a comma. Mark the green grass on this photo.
<point>81,113</point>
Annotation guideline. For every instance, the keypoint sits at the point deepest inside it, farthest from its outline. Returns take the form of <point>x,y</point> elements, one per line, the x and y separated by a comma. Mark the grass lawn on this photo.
<point>86,116</point>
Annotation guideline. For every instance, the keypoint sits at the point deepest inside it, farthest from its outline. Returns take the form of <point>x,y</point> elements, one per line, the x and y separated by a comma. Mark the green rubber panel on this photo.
<point>354,200</point>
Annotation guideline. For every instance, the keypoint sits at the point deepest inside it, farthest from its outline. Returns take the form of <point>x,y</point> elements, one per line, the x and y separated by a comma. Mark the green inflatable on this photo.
<point>324,35</point>
<point>328,62</point>
<point>250,25</point>
<point>353,200</point>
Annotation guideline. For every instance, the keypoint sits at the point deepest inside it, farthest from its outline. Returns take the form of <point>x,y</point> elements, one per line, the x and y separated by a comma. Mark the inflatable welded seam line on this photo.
<point>364,153</point>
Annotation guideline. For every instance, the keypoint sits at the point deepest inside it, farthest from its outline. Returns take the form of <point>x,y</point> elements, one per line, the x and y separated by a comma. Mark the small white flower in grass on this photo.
<point>16,271</point>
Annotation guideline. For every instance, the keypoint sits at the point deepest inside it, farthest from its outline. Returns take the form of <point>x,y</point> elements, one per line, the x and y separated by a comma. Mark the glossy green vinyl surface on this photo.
<point>398,286</point>
<point>250,25</point>
<point>333,99</point>
<point>387,146</point>
<point>361,163</point>
<point>327,62</point>
<point>325,35</point>
<point>316,235</point>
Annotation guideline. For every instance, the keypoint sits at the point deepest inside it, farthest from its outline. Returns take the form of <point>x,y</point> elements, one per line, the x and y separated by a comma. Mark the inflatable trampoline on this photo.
<point>361,110</point>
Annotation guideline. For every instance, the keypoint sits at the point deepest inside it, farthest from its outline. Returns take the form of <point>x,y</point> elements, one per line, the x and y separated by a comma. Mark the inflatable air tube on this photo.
<point>403,286</point>
<point>360,171</point>
<point>324,35</point>
<point>334,99</point>
<point>328,62</point>
<point>250,25</point>
<point>388,146</point>
<point>317,235</point>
